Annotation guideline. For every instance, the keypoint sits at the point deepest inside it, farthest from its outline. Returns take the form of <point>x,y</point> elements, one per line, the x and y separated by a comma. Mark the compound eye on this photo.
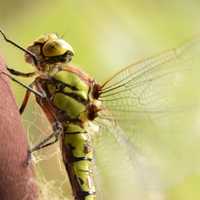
<point>56,47</point>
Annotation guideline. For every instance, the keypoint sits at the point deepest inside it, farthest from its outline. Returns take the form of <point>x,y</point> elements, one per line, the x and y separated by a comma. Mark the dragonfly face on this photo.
<point>49,49</point>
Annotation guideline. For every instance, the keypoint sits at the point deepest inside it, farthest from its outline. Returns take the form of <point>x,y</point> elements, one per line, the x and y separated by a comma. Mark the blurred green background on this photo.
<point>106,35</point>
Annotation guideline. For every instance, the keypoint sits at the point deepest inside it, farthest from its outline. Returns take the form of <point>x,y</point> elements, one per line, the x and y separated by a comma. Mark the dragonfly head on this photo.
<point>50,49</point>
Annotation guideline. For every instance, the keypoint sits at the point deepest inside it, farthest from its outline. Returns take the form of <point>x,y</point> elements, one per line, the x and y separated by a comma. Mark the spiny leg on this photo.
<point>25,86</point>
<point>25,100</point>
<point>28,91</point>
<point>57,126</point>
<point>22,74</point>
<point>57,131</point>
<point>29,88</point>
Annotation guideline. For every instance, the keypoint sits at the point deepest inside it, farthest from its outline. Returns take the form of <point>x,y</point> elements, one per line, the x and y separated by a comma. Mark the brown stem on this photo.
<point>16,178</point>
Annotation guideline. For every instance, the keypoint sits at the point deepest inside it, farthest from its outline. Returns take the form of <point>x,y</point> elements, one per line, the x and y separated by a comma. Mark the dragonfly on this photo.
<point>78,107</point>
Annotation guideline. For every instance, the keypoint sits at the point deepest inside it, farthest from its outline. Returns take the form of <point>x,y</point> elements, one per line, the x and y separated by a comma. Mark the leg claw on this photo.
<point>29,158</point>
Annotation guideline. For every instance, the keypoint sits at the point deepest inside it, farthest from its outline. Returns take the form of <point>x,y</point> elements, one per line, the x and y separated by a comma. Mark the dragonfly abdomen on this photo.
<point>78,160</point>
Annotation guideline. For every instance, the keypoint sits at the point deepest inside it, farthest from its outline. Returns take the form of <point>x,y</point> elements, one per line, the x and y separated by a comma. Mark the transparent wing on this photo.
<point>152,86</point>
<point>125,172</point>
<point>150,109</point>
<point>149,166</point>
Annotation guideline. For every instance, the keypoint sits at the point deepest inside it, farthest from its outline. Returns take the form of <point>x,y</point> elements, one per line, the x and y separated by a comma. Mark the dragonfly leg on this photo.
<point>23,85</point>
<point>26,98</point>
<point>57,131</point>
<point>22,74</point>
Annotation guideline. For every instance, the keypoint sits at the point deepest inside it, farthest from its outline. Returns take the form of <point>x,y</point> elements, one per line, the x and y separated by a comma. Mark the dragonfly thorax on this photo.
<point>49,49</point>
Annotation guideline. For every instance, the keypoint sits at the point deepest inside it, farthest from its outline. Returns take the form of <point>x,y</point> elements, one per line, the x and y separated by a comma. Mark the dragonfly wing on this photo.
<point>125,172</point>
<point>150,103</point>
<point>157,86</point>
<point>147,85</point>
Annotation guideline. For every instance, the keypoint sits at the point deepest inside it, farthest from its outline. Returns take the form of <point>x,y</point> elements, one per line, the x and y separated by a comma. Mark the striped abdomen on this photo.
<point>77,153</point>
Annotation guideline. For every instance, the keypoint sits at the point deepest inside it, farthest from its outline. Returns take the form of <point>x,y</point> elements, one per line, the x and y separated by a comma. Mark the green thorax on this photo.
<point>69,92</point>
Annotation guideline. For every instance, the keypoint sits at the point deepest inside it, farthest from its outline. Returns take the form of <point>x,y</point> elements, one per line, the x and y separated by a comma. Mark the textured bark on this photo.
<point>16,178</point>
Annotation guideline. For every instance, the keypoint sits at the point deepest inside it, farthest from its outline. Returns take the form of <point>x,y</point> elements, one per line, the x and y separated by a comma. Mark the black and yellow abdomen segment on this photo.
<point>78,159</point>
